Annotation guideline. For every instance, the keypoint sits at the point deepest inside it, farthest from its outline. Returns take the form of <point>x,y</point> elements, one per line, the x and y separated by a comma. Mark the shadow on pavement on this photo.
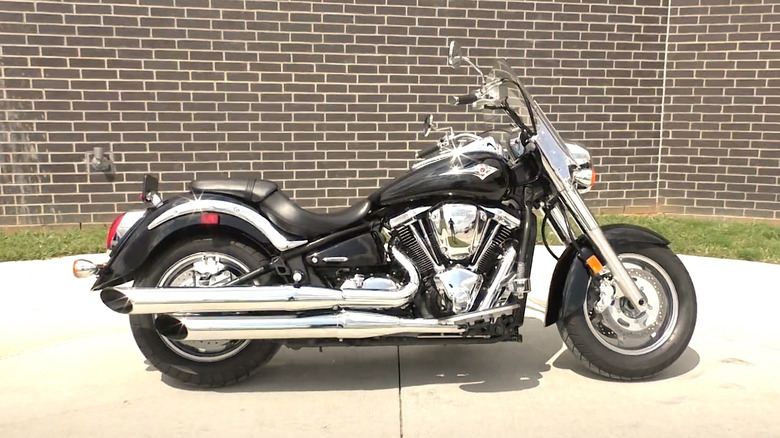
<point>507,366</point>
<point>502,367</point>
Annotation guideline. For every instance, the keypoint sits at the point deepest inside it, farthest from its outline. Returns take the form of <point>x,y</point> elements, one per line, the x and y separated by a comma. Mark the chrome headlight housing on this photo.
<point>584,174</point>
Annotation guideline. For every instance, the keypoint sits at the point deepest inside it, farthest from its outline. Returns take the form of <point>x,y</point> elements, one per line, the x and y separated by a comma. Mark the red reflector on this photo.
<point>112,230</point>
<point>209,219</point>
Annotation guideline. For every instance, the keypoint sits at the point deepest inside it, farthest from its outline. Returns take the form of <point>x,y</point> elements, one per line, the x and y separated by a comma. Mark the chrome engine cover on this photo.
<point>460,286</point>
<point>370,283</point>
<point>459,229</point>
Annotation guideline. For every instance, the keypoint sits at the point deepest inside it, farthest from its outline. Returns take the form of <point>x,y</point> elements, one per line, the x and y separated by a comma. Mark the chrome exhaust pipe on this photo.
<point>501,277</point>
<point>258,298</point>
<point>341,325</point>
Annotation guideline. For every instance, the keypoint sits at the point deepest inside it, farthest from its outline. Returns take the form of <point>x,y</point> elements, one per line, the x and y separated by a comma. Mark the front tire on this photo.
<point>610,338</point>
<point>200,363</point>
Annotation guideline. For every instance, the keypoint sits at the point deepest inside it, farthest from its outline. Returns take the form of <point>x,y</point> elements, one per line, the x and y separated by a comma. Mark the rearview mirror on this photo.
<point>428,125</point>
<point>454,57</point>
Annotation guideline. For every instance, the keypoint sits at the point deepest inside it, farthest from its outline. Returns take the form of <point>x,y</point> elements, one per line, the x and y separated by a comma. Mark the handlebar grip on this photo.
<point>464,100</point>
<point>428,151</point>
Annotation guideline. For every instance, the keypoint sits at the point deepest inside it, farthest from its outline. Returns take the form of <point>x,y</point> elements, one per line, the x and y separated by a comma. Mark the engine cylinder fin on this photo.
<point>488,260</point>
<point>412,248</point>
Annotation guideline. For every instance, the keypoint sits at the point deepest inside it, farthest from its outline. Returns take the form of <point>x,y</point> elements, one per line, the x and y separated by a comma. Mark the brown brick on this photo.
<point>327,97</point>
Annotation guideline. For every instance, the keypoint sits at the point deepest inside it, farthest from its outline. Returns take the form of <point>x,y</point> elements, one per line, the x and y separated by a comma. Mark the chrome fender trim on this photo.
<point>240,211</point>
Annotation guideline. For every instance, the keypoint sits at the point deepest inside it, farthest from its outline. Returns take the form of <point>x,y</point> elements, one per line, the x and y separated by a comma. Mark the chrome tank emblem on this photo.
<point>481,171</point>
<point>459,229</point>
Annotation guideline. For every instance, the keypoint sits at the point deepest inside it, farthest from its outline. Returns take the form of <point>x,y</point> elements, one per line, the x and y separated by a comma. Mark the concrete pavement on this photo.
<point>69,368</point>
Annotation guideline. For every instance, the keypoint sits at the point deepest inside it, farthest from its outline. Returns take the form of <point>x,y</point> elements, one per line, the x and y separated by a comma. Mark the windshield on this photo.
<point>517,96</point>
<point>552,147</point>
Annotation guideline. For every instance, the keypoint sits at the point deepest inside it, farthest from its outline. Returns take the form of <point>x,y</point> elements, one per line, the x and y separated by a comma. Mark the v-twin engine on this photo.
<point>456,248</point>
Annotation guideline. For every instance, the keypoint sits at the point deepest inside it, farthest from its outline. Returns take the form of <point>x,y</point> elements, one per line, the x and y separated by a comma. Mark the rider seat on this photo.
<point>290,217</point>
<point>281,210</point>
<point>252,190</point>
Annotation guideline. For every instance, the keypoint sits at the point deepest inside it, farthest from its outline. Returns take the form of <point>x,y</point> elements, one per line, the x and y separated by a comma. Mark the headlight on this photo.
<point>584,174</point>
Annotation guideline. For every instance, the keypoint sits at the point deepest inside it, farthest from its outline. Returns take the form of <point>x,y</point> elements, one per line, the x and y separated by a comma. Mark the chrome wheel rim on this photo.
<point>188,272</point>
<point>621,328</point>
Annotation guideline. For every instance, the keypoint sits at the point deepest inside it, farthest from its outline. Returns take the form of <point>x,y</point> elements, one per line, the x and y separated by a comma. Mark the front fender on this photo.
<point>141,242</point>
<point>570,280</point>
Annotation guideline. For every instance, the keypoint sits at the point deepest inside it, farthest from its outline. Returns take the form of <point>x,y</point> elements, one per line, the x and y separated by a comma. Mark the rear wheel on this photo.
<point>609,336</point>
<point>204,262</point>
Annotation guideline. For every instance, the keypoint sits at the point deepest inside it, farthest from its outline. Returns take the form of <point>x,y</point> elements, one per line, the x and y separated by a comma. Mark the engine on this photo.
<point>456,248</point>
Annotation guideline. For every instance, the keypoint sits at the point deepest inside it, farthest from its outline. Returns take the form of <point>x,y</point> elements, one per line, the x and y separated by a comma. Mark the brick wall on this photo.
<point>721,150</point>
<point>326,98</point>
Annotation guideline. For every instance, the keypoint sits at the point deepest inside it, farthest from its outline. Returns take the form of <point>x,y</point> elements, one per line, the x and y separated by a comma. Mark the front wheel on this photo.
<point>201,262</point>
<point>613,339</point>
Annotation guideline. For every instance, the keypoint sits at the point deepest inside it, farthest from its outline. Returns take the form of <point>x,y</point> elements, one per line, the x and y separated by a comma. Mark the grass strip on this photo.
<point>41,245</point>
<point>733,240</point>
<point>730,240</point>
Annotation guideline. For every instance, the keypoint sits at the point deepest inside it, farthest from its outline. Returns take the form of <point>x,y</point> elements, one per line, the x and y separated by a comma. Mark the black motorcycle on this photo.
<point>225,276</point>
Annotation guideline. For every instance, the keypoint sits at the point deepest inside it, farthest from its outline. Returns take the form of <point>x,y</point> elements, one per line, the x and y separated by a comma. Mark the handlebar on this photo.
<point>466,99</point>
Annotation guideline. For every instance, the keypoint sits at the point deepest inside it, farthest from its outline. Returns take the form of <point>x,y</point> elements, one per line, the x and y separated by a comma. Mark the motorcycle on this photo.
<point>223,277</point>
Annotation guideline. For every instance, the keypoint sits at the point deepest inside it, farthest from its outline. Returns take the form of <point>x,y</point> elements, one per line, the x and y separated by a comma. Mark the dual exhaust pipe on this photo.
<point>341,325</point>
<point>172,306</point>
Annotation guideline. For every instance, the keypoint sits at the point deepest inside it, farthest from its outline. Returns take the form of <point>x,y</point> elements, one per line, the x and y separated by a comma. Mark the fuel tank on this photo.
<point>478,175</point>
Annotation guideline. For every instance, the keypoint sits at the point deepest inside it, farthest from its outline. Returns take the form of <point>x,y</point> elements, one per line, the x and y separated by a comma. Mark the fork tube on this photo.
<point>527,242</point>
<point>558,224</point>
<point>591,228</point>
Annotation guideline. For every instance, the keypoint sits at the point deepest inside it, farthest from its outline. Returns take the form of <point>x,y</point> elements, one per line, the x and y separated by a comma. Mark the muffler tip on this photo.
<point>170,327</point>
<point>116,300</point>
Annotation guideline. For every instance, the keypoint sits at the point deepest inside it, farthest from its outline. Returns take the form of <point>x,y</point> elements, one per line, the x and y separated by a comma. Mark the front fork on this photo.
<point>587,223</point>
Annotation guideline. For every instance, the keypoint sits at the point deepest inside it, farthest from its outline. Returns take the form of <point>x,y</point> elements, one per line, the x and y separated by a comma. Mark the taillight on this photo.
<point>112,231</point>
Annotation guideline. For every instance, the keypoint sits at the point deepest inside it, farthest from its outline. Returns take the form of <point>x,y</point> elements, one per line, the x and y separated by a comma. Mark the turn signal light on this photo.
<point>84,268</point>
<point>585,179</point>
<point>594,264</point>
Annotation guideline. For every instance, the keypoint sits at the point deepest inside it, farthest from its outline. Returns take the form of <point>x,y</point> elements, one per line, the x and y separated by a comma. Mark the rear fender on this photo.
<point>141,242</point>
<point>570,280</point>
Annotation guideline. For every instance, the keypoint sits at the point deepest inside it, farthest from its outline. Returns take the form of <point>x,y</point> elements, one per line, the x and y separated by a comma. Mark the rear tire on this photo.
<point>613,343</point>
<point>204,364</point>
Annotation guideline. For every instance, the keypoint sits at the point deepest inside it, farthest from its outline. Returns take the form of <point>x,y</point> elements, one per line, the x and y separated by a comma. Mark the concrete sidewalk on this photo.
<point>69,368</point>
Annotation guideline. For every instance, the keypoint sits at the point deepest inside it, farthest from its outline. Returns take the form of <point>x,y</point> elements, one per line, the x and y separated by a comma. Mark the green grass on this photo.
<point>729,240</point>
<point>39,245</point>
<point>734,240</point>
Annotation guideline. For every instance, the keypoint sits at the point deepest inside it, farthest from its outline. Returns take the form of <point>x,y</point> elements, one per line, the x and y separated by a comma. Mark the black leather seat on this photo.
<point>293,219</point>
<point>252,190</point>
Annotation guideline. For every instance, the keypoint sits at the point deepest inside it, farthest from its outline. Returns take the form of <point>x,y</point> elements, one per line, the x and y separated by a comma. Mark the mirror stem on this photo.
<point>468,61</point>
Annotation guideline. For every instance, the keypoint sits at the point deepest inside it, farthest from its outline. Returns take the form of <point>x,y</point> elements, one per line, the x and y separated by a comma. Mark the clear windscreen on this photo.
<point>511,90</point>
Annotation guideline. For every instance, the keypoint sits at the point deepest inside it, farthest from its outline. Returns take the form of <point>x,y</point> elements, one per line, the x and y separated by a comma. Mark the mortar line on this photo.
<point>663,106</point>
<point>400,401</point>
